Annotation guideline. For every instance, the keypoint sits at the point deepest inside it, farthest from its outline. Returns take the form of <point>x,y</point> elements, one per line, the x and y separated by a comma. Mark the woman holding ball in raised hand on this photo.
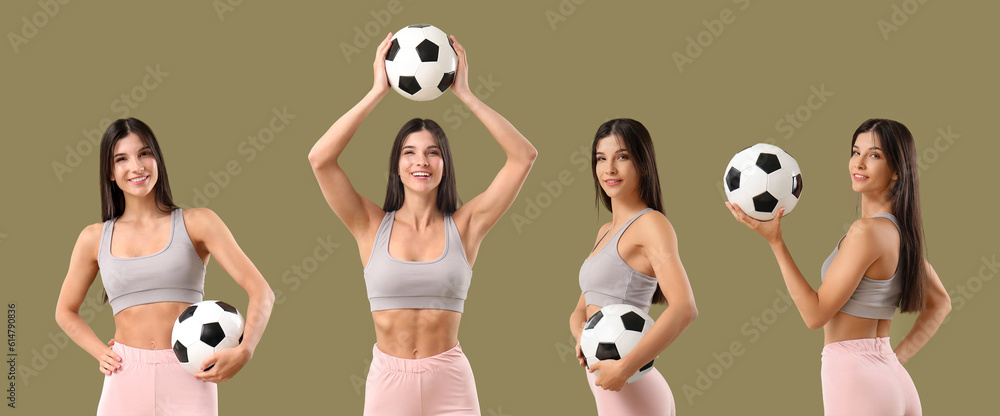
<point>634,261</point>
<point>419,247</point>
<point>877,267</point>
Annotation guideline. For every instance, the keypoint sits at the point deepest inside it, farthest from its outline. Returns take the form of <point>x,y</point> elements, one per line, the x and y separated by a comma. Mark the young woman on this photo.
<point>152,257</point>
<point>877,267</point>
<point>634,261</point>
<point>418,249</point>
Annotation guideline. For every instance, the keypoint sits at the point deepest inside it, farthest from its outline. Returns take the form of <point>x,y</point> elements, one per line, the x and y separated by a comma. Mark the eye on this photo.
<point>600,158</point>
<point>433,152</point>
<point>119,159</point>
<point>875,155</point>
<point>146,153</point>
<point>407,152</point>
<point>854,153</point>
<point>622,157</point>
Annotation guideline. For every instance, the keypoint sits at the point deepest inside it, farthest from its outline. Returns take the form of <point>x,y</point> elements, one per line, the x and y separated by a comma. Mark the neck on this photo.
<point>874,203</point>
<point>140,208</point>
<point>419,210</point>
<point>625,207</point>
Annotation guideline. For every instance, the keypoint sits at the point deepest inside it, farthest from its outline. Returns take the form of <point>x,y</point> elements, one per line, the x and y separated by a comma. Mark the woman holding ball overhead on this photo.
<point>152,257</point>
<point>634,261</point>
<point>419,247</point>
<point>877,267</point>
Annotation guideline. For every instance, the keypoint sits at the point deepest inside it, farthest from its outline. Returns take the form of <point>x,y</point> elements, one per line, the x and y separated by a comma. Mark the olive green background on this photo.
<point>556,70</point>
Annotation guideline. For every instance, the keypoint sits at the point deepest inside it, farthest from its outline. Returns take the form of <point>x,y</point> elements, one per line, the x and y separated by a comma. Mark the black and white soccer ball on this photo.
<point>762,179</point>
<point>612,332</point>
<point>420,63</point>
<point>203,329</point>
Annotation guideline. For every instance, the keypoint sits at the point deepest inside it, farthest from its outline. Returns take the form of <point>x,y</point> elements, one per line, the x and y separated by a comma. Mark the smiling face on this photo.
<point>133,166</point>
<point>614,168</point>
<point>869,169</point>
<point>421,165</point>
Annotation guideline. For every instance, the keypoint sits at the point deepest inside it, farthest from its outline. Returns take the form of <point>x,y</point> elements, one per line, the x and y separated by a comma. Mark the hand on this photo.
<point>461,85</point>
<point>108,361</point>
<point>771,230</point>
<point>613,374</point>
<point>579,355</point>
<point>381,83</point>
<point>226,364</point>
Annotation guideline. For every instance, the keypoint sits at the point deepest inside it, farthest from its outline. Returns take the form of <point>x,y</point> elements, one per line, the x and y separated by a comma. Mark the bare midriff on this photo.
<point>416,333</point>
<point>148,326</point>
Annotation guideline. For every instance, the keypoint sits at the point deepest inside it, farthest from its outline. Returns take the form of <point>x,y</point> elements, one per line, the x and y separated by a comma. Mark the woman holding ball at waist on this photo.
<point>877,267</point>
<point>634,261</point>
<point>152,257</point>
<point>418,249</point>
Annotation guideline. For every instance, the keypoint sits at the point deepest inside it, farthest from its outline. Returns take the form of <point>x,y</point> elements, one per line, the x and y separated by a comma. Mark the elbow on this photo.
<point>316,160</point>
<point>531,154</point>
<point>692,313</point>
<point>814,323</point>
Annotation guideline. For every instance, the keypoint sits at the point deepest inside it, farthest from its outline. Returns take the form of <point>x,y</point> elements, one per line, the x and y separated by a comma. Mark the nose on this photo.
<point>137,165</point>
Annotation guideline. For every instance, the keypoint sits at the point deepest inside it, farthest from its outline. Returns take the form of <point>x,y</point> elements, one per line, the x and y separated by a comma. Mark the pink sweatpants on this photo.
<point>152,383</point>
<point>438,385</point>
<point>864,377</point>
<point>650,396</point>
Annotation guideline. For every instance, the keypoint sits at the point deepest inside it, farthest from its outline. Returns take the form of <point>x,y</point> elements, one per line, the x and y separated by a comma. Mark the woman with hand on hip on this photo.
<point>877,267</point>
<point>152,257</point>
<point>418,249</point>
<point>634,261</point>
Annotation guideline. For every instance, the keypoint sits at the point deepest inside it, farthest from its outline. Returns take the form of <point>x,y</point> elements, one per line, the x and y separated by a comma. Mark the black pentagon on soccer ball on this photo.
<point>225,306</point>
<point>607,351</point>
<point>181,352</point>
<point>768,162</point>
<point>409,84</point>
<point>212,334</point>
<point>241,339</point>
<point>427,51</point>
<point>446,80</point>
<point>393,50</point>
<point>633,322</point>
<point>592,322</point>
<point>797,185</point>
<point>187,313</point>
<point>650,364</point>
<point>733,179</point>
<point>419,25</point>
<point>764,202</point>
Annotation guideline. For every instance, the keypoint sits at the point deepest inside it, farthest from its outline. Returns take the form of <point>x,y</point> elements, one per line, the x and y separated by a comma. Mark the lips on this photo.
<point>140,179</point>
<point>612,182</point>
<point>420,174</point>
<point>859,177</point>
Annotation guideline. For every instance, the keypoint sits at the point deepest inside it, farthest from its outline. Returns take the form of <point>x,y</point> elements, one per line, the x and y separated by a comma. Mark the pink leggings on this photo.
<point>864,377</point>
<point>647,397</point>
<point>152,383</point>
<point>438,385</point>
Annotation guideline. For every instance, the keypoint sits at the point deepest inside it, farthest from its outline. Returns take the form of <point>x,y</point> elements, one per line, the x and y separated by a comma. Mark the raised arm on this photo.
<point>356,211</point>
<point>82,272</point>
<point>937,304</point>
<point>483,211</point>
<point>857,252</point>
<point>659,245</point>
<point>208,230</point>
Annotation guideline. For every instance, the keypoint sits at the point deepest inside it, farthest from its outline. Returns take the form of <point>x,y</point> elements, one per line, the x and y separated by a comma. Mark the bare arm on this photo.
<point>485,209</point>
<point>937,305</point>
<point>208,229</point>
<point>660,247</point>
<point>356,211</point>
<point>576,321</point>
<point>82,272</point>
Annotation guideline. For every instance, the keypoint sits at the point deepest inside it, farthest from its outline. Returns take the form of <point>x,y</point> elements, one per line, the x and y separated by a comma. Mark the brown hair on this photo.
<point>447,195</point>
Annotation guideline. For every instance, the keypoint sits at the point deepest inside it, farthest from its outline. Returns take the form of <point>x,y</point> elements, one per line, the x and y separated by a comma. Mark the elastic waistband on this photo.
<point>138,355</point>
<point>878,345</point>
<point>416,365</point>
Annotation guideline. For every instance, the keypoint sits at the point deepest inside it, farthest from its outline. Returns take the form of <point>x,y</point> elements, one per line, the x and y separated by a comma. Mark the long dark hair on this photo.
<point>901,155</point>
<point>639,145</point>
<point>447,194</point>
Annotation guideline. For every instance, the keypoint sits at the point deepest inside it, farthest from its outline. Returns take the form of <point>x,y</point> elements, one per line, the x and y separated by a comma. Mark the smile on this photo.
<point>420,175</point>
<point>859,177</point>
<point>140,179</point>
<point>612,182</point>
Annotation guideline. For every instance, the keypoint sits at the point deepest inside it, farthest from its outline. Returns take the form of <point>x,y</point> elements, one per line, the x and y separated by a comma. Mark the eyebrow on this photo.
<point>123,154</point>
<point>616,151</point>
<point>410,146</point>
<point>870,148</point>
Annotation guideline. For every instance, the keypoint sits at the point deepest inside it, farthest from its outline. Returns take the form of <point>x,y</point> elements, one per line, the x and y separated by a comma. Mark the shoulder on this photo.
<point>91,234</point>
<point>868,232</point>
<point>653,226</point>
<point>200,217</point>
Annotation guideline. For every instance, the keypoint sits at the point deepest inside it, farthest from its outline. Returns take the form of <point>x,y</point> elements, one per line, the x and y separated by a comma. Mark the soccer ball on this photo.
<point>420,63</point>
<point>612,332</point>
<point>203,329</point>
<point>762,179</point>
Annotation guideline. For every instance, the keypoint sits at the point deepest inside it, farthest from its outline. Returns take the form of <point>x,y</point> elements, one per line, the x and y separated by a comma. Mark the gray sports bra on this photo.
<point>174,274</point>
<point>606,279</point>
<point>437,284</point>
<point>873,299</point>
